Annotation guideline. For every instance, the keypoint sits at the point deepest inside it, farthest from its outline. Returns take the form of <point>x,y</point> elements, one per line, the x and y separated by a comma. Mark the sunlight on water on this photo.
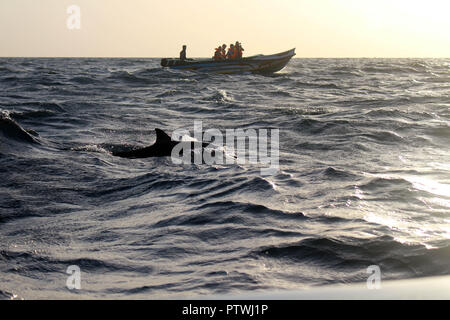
<point>410,231</point>
<point>430,186</point>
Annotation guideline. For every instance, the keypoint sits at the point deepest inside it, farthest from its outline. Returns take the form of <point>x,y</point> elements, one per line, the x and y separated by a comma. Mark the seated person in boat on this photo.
<point>231,52</point>
<point>183,53</point>
<point>218,54</point>
<point>224,51</point>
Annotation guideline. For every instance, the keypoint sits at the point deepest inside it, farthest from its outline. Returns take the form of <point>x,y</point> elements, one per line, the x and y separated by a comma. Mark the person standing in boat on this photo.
<point>183,53</point>
<point>239,49</point>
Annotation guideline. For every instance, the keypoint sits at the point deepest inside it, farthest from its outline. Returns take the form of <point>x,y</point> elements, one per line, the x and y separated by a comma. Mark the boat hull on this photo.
<point>263,64</point>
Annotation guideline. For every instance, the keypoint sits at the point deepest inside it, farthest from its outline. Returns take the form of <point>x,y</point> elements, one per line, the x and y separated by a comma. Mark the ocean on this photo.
<point>363,179</point>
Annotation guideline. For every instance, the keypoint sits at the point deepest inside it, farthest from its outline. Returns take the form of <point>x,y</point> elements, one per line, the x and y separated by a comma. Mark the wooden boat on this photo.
<point>263,64</point>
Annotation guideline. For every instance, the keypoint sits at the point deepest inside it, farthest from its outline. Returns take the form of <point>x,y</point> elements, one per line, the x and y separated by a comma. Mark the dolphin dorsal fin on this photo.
<point>162,137</point>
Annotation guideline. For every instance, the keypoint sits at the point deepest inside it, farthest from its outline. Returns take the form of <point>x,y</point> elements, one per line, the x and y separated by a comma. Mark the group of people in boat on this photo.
<point>234,52</point>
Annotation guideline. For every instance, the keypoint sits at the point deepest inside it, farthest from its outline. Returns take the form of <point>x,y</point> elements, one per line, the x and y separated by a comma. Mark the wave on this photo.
<point>396,114</point>
<point>340,175</point>
<point>385,137</point>
<point>385,184</point>
<point>148,72</point>
<point>51,106</point>
<point>84,80</point>
<point>219,96</point>
<point>300,110</point>
<point>38,263</point>
<point>169,93</point>
<point>247,207</point>
<point>279,93</point>
<point>442,131</point>
<point>127,77</point>
<point>317,127</point>
<point>391,69</point>
<point>392,257</point>
<point>27,115</point>
<point>91,148</point>
<point>302,84</point>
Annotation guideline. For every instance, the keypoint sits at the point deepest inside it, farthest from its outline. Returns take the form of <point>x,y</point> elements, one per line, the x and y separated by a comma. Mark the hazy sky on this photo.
<point>155,28</point>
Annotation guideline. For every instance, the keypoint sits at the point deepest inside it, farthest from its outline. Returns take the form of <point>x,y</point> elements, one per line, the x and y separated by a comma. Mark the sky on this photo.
<point>158,28</point>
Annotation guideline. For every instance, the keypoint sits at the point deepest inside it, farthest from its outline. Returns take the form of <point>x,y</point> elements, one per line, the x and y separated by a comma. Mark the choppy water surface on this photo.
<point>364,177</point>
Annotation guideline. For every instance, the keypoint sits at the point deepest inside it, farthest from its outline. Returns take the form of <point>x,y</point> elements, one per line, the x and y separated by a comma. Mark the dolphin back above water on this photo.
<point>162,147</point>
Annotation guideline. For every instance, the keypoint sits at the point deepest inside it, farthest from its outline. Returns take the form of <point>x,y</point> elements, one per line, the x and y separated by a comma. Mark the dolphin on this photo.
<point>11,129</point>
<point>161,148</point>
